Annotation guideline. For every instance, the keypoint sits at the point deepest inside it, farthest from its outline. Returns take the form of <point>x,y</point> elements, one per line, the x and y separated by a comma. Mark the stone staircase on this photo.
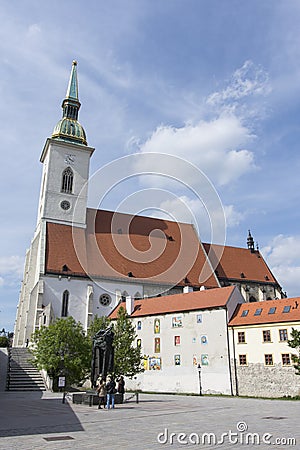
<point>22,375</point>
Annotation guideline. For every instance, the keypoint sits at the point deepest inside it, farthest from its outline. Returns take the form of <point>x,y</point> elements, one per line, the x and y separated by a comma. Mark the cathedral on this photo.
<point>83,262</point>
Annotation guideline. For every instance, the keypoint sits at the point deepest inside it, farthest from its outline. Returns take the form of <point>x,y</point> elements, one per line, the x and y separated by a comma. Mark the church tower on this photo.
<point>66,158</point>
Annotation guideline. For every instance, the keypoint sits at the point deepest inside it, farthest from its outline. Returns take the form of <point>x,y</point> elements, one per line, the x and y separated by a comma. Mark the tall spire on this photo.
<point>72,91</point>
<point>250,242</point>
<point>68,128</point>
<point>71,103</point>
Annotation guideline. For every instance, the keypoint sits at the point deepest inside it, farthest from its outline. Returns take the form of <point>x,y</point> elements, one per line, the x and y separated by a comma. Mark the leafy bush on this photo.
<point>4,341</point>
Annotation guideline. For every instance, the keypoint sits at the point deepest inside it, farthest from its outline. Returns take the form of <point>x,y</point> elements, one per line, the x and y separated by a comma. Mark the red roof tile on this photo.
<point>241,264</point>
<point>239,318</point>
<point>192,301</point>
<point>156,250</point>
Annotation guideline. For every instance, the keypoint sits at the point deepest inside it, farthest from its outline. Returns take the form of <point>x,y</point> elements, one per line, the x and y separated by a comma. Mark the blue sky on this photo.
<point>216,83</point>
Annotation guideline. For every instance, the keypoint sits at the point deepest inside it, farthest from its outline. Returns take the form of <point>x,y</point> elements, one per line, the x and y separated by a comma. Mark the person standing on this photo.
<point>121,387</point>
<point>110,392</point>
<point>101,389</point>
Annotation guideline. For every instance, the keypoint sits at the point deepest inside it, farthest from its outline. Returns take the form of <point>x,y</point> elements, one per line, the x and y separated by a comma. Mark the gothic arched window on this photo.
<point>65,304</point>
<point>67,181</point>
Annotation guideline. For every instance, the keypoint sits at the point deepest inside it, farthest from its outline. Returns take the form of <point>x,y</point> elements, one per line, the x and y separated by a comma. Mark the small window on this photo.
<point>139,343</point>
<point>272,310</point>
<point>283,335</point>
<point>105,299</point>
<point>67,181</point>
<point>139,325</point>
<point>269,360</point>
<point>65,304</point>
<point>243,360</point>
<point>287,309</point>
<point>258,312</point>
<point>245,313</point>
<point>241,337</point>
<point>286,359</point>
<point>266,335</point>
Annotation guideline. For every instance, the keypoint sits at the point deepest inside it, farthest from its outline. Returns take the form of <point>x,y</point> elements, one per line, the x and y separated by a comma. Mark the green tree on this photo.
<point>98,323</point>
<point>63,347</point>
<point>127,357</point>
<point>295,343</point>
<point>4,341</point>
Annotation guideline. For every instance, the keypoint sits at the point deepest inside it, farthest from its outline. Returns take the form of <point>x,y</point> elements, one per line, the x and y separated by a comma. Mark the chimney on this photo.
<point>187,289</point>
<point>129,304</point>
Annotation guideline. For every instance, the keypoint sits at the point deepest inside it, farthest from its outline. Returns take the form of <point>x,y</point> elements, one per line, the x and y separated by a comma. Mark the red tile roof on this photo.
<point>192,301</point>
<point>239,318</point>
<point>156,250</point>
<point>241,264</point>
<point>159,251</point>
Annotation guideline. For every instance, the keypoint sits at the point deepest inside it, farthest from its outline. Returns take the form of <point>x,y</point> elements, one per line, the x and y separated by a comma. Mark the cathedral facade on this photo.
<point>82,262</point>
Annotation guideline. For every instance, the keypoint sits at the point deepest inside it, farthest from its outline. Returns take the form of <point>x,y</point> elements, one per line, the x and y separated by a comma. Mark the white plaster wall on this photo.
<point>235,299</point>
<point>78,295</point>
<point>26,311</point>
<point>54,164</point>
<point>255,348</point>
<point>215,377</point>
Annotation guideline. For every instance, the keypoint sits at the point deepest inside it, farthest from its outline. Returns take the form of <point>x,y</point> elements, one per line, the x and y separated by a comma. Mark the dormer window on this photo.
<point>67,181</point>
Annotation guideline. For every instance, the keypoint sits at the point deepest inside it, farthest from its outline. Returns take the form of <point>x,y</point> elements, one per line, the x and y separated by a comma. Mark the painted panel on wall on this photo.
<point>177,360</point>
<point>204,359</point>
<point>156,326</point>
<point>203,339</point>
<point>154,363</point>
<point>157,345</point>
<point>176,321</point>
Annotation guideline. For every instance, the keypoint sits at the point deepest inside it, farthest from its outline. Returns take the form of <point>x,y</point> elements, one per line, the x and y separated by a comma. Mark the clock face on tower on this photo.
<point>65,205</point>
<point>69,159</point>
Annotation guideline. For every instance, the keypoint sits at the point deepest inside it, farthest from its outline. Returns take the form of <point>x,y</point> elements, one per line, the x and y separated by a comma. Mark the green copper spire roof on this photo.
<point>72,91</point>
<point>68,128</point>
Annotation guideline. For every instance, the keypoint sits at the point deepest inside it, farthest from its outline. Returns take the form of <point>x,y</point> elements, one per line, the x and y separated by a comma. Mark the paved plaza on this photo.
<point>41,421</point>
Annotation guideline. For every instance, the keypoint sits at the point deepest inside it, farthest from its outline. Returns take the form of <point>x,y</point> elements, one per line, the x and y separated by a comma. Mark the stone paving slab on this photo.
<point>28,420</point>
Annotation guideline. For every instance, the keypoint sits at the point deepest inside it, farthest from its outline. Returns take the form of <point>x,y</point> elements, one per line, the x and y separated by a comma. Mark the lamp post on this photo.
<point>200,382</point>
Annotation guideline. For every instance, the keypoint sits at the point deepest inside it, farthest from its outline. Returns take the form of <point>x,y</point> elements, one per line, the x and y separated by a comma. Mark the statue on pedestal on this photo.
<point>103,354</point>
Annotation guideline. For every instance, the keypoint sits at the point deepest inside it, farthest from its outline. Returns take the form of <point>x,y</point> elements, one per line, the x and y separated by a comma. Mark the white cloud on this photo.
<point>246,81</point>
<point>283,256</point>
<point>215,147</point>
<point>233,217</point>
<point>11,270</point>
<point>34,30</point>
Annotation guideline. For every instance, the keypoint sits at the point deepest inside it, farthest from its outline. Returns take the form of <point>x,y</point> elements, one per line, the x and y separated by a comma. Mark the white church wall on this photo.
<point>79,289</point>
<point>26,313</point>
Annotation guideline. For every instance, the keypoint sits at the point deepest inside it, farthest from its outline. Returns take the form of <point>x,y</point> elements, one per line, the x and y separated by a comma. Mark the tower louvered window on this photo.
<point>67,181</point>
<point>65,304</point>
